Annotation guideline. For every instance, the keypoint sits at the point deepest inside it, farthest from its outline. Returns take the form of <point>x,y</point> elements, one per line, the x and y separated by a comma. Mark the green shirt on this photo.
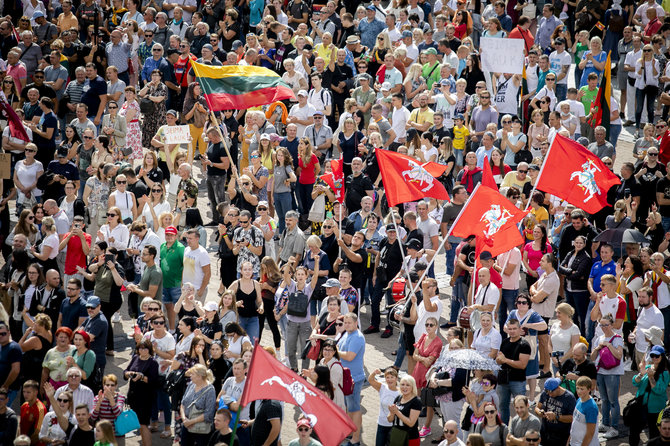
<point>152,275</point>
<point>172,264</point>
<point>431,73</point>
<point>588,98</point>
<point>363,97</point>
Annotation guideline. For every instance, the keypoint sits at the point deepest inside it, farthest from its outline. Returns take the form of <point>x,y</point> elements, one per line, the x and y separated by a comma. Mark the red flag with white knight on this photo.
<point>335,179</point>
<point>576,175</point>
<point>406,180</point>
<point>492,218</point>
<point>270,379</point>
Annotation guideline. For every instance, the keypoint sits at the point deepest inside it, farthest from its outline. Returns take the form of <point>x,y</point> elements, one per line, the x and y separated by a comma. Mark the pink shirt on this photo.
<point>17,72</point>
<point>535,256</point>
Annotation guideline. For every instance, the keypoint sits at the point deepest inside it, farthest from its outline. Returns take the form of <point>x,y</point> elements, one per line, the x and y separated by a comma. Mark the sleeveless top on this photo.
<point>123,201</point>
<point>249,309</point>
<point>506,97</point>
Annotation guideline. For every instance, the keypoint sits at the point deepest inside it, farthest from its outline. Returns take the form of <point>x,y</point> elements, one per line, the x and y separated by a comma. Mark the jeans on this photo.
<point>608,386</point>
<point>283,204</point>
<point>451,255</point>
<point>457,298</point>
<point>649,93</point>
<point>162,403</point>
<point>561,92</point>
<point>171,295</point>
<point>378,294</point>
<point>383,435</point>
<point>216,193</point>
<point>401,352</point>
<point>590,325</point>
<point>251,326</point>
<point>579,300</point>
<point>282,327</point>
<point>506,393</point>
<point>506,305</point>
<point>297,334</point>
<point>615,131</point>
<point>665,221</point>
<point>666,322</point>
<point>304,197</point>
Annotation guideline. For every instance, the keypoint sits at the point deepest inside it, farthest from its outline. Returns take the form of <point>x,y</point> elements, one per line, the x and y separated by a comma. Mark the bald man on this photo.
<point>487,297</point>
<point>451,434</point>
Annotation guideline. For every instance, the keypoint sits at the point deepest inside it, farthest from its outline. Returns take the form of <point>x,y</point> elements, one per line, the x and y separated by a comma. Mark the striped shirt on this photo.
<point>82,395</point>
<point>118,55</point>
<point>107,411</point>
<point>75,89</point>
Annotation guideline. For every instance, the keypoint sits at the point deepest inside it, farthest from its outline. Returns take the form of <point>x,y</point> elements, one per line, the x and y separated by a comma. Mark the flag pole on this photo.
<point>445,237</point>
<point>244,391</point>
<point>402,251</point>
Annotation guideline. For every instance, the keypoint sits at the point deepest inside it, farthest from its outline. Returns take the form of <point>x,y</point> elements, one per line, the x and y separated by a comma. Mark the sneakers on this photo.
<point>424,432</point>
<point>387,333</point>
<point>545,375</point>
<point>603,428</point>
<point>371,329</point>
<point>116,318</point>
<point>628,365</point>
<point>611,433</point>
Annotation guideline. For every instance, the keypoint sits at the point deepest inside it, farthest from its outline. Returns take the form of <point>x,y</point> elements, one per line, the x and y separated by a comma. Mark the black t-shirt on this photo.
<point>282,53</point>
<point>390,257</point>
<point>325,327</point>
<point>560,405</point>
<point>586,368</point>
<point>356,188</point>
<point>80,437</point>
<point>663,187</point>
<point>9,423</point>
<point>44,90</point>
<point>266,410</point>
<point>217,438</point>
<point>440,133</point>
<point>415,234</point>
<point>406,409</point>
<point>513,350</point>
<point>341,74</point>
<point>356,268</point>
<point>631,185</point>
<point>155,174</point>
<point>215,152</point>
<point>139,189</point>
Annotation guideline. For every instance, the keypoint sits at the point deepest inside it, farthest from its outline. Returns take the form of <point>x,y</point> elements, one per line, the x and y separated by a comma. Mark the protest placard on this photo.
<point>177,134</point>
<point>502,55</point>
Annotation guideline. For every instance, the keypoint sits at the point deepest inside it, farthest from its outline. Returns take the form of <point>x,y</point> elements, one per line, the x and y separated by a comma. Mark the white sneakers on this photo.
<point>602,428</point>
<point>116,318</point>
<point>611,433</point>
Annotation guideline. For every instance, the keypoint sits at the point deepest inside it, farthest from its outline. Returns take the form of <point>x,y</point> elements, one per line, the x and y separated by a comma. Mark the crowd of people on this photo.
<point>99,217</point>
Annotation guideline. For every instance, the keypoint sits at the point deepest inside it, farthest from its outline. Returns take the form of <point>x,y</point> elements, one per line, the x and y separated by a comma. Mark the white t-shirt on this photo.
<point>487,295</point>
<point>27,176</point>
<point>576,108</point>
<point>194,261</point>
<point>649,317</point>
<point>429,228</point>
<point>319,99</point>
<point>302,113</point>
<point>52,241</point>
<point>422,315</point>
<point>610,306</point>
<point>10,138</point>
<point>544,91</point>
<point>616,342</point>
<point>557,62</point>
<point>412,51</point>
<point>165,344</point>
<point>399,120</point>
<point>386,398</point>
<point>662,292</point>
<point>561,339</point>
<point>485,343</point>
<point>158,209</point>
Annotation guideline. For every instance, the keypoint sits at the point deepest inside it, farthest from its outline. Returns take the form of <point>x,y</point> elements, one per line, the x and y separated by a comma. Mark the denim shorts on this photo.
<point>353,401</point>
<point>171,295</point>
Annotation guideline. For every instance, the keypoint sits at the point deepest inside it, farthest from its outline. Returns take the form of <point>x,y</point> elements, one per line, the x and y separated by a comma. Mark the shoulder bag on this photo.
<point>398,436</point>
<point>298,303</point>
<point>126,422</point>
<point>607,359</point>
<point>202,427</point>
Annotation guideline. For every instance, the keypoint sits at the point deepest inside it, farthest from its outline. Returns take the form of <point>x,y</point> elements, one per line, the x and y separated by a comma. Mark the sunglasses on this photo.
<point>244,222</point>
<point>608,164</point>
<point>489,412</point>
<point>485,97</point>
<point>32,217</point>
<point>340,324</point>
<point>4,333</point>
<point>62,400</point>
<point>88,137</point>
<point>449,431</point>
<point>254,156</point>
<point>533,440</point>
<point>550,79</point>
<point>506,122</point>
<point>158,322</point>
<point>8,82</point>
<point>157,190</point>
<point>654,356</point>
<point>303,429</point>
<point>120,182</point>
<point>646,51</point>
<point>318,117</point>
<point>652,154</point>
<point>111,107</point>
<point>430,324</point>
<point>72,289</point>
<point>111,215</point>
<point>31,150</point>
<point>153,308</point>
<point>522,302</point>
<point>522,171</point>
<point>327,226</point>
<point>262,209</point>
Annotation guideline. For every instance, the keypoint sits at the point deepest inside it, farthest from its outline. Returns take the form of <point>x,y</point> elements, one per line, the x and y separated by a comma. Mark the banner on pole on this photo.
<point>177,134</point>
<point>502,55</point>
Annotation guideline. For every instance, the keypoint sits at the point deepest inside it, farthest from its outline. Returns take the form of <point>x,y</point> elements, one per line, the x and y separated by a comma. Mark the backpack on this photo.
<point>347,386</point>
<point>616,23</point>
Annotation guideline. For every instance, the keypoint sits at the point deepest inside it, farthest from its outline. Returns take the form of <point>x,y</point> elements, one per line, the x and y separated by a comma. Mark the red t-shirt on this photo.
<point>75,255</point>
<point>31,419</point>
<point>181,69</point>
<point>307,175</point>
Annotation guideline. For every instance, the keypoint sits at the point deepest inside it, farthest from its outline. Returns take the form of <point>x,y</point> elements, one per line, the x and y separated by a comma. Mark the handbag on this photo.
<point>201,427</point>
<point>633,413</point>
<point>398,437</point>
<point>314,350</point>
<point>126,422</point>
<point>607,359</point>
<point>298,303</point>
<point>317,212</point>
<point>147,106</point>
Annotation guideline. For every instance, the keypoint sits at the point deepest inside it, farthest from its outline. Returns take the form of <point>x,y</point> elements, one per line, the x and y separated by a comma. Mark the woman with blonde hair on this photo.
<point>593,61</point>
<point>49,247</point>
<point>153,208</point>
<point>647,69</point>
<point>404,412</point>
<point>619,220</point>
<point>173,185</point>
<point>378,52</point>
<point>414,82</point>
<point>198,406</point>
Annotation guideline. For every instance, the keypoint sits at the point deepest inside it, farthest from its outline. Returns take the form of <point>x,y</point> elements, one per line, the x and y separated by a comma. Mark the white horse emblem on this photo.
<point>296,389</point>
<point>495,218</point>
<point>587,180</point>
<point>417,174</point>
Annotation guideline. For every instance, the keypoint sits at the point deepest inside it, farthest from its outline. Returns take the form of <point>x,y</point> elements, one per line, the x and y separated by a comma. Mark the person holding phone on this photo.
<point>78,245</point>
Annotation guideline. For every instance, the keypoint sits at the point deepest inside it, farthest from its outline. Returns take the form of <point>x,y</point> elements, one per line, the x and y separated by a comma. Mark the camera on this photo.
<point>557,354</point>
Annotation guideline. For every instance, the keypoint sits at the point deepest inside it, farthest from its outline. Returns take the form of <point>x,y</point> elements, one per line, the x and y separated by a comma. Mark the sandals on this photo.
<point>166,434</point>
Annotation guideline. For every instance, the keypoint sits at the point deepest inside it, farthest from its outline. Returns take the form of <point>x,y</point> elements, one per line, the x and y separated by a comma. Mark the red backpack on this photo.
<point>347,386</point>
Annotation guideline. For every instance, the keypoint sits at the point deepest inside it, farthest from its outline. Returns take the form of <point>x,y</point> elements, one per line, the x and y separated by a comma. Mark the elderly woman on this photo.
<point>56,362</point>
<point>294,79</point>
<point>313,252</point>
<point>109,402</point>
<point>258,173</point>
<point>157,92</point>
<point>198,406</point>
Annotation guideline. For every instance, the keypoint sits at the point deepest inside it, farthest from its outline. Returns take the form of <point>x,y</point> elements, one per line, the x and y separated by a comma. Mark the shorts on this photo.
<point>458,154</point>
<point>544,332</point>
<point>410,340</point>
<point>353,401</point>
<point>171,295</point>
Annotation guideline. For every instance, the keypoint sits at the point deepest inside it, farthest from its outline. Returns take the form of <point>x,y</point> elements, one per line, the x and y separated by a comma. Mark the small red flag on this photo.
<point>492,218</point>
<point>664,148</point>
<point>487,175</point>
<point>270,379</point>
<point>335,179</point>
<point>406,180</point>
<point>576,175</point>
<point>16,128</point>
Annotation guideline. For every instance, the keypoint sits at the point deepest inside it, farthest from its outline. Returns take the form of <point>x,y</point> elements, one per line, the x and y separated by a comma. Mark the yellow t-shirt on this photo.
<point>323,52</point>
<point>460,133</point>
<point>421,117</point>
<point>541,215</point>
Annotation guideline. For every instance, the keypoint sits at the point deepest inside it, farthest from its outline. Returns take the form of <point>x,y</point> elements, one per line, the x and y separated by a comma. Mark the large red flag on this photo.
<point>270,379</point>
<point>336,179</point>
<point>492,218</point>
<point>16,128</point>
<point>406,180</point>
<point>487,175</point>
<point>664,148</point>
<point>573,173</point>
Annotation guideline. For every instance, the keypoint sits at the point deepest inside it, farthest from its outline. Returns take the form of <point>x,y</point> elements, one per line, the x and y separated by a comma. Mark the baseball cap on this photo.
<point>210,306</point>
<point>371,8</point>
<point>171,230</point>
<point>459,116</point>
<point>390,227</point>
<point>62,152</point>
<point>208,46</point>
<point>386,86</point>
<point>444,82</point>
<point>93,302</point>
<point>302,93</point>
<point>534,167</point>
<point>318,113</point>
<point>37,14</point>
<point>406,33</point>
<point>304,422</point>
<point>552,384</point>
<point>485,255</point>
<point>307,47</point>
<point>332,282</point>
<point>265,136</point>
<point>237,44</point>
<point>172,112</point>
<point>657,350</point>
<point>559,41</point>
<point>414,244</point>
<point>432,51</point>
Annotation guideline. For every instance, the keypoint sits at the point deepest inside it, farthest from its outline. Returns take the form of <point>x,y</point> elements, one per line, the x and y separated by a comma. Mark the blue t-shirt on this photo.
<point>598,270</point>
<point>71,312</point>
<point>47,121</point>
<point>589,68</point>
<point>256,11</point>
<point>354,342</point>
<point>9,354</point>
<point>532,318</point>
<point>292,147</point>
<point>91,96</point>
<point>585,413</point>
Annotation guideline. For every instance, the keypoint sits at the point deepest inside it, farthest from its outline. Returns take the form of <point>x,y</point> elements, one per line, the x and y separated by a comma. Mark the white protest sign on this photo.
<point>177,134</point>
<point>502,55</point>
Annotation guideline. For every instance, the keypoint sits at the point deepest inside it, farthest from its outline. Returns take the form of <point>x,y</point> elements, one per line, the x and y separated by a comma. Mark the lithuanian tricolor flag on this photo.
<point>601,106</point>
<point>236,87</point>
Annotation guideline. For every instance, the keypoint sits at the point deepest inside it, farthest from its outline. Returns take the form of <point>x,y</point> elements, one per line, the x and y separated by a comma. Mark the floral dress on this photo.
<point>133,131</point>
<point>97,200</point>
<point>154,120</point>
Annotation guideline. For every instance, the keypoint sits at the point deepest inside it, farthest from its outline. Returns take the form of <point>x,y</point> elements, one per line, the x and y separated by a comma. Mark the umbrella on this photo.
<point>633,236</point>
<point>465,359</point>
<point>617,237</point>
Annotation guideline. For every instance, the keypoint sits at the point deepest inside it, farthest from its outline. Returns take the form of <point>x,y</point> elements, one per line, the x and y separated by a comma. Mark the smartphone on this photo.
<point>109,258</point>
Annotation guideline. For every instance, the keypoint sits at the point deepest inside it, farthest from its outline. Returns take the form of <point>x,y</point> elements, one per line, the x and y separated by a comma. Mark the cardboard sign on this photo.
<point>502,55</point>
<point>177,134</point>
<point>5,165</point>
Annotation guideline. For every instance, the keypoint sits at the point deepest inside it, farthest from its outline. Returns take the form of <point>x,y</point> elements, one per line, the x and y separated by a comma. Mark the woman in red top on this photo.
<point>498,167</point>
<point>463,24</point>
<point>308,170</point>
